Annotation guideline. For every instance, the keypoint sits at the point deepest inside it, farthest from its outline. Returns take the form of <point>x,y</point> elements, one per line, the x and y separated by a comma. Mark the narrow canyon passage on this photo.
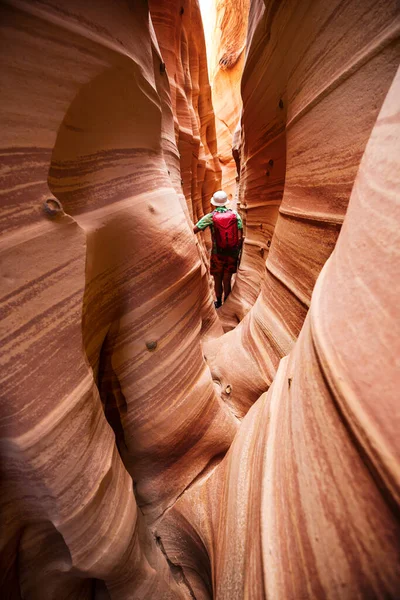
<point>152,448</point>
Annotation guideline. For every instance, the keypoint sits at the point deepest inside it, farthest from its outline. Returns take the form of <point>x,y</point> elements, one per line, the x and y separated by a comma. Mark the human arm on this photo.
<point>204,222</point>
<point>240,229</point>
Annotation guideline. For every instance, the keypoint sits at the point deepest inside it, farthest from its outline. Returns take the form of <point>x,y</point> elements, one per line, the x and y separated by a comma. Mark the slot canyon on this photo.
<point>153,447</point>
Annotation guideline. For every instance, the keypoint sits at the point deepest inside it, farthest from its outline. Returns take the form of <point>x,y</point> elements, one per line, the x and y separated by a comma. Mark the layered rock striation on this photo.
<point>144,453</point>
<point>107,400</point>
<point>226,46</point>
<point>311,95</point>
<point>305,504</point>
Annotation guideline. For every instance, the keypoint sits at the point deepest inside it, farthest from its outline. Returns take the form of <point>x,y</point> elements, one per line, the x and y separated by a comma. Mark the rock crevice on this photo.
<point>150,447</point>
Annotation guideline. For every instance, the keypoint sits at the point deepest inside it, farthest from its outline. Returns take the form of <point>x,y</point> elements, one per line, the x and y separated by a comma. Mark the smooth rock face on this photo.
<point>103,304</point>
<point>305,504</point>
<point>124,472</point>
<point>309,105</point>
<point>189,111</point>
<point>227,46</point>
<point>180,37</point>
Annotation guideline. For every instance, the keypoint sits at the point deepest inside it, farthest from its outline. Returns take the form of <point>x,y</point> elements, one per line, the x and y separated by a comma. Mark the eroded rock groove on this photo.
<point>152,448</point>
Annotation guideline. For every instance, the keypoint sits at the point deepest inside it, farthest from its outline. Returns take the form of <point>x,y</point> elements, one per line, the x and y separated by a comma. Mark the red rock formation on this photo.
<point>227,49</point>
<point>102,293</point>
<point>198,174</point>
<point>305,504</point>
<point>113,426</point>
<point>181,40</point>
<point>307,116</point>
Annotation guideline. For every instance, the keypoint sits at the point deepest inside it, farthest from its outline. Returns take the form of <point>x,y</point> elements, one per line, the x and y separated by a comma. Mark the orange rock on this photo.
<point>305,504</point>
<point>87,119</point>
<point>227,44</point>
<point>125,473</point>
<point>307,116</point>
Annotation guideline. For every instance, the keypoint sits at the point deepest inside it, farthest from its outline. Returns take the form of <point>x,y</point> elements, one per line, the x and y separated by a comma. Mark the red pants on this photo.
<point>222,263</point>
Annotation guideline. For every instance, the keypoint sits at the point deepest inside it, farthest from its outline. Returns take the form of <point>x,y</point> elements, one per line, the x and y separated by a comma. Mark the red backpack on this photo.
<point>225,230</point>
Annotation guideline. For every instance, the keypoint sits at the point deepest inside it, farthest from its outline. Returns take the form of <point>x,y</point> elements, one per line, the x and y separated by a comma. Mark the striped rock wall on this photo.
<point>227,46</point>
<point>108,408</point>
<point>127,470</point>
<point>306,502</point>
<point>314,81</point>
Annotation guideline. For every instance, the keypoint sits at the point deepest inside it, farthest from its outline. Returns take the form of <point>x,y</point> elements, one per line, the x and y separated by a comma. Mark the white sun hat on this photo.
<point>219,199</point>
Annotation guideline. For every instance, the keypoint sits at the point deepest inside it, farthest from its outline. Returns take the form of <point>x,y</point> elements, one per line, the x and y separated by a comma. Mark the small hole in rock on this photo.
<point>52,206</point>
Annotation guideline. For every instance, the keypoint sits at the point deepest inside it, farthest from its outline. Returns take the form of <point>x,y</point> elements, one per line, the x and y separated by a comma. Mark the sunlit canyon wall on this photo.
<point>226,31</point>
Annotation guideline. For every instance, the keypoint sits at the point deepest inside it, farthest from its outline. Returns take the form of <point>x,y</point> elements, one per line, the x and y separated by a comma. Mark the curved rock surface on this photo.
<point>305,504</point>
<point>307,117</point>
<point>198,173</point>
<point>103,302</point>
<point>126,470</point>
<point>227,56</point>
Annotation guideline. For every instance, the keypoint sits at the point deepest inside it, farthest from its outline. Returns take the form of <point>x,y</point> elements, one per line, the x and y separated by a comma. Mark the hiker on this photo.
<point>227,238</point>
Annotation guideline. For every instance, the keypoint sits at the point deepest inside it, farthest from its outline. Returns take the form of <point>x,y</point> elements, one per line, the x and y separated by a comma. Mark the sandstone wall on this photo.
<point>314,80</point>
<point>198,174</point>
<point>305,504</point>
<point>124,473</point>
<point>103,299</point>
<point>227,57</point>
<point>180,36</point>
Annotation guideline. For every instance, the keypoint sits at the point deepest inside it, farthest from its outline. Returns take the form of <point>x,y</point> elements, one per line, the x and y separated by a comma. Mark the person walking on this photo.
<point>227,239</point>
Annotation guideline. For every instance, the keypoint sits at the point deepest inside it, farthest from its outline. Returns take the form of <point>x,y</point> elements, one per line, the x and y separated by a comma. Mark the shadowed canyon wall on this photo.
<point>145,454</point>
